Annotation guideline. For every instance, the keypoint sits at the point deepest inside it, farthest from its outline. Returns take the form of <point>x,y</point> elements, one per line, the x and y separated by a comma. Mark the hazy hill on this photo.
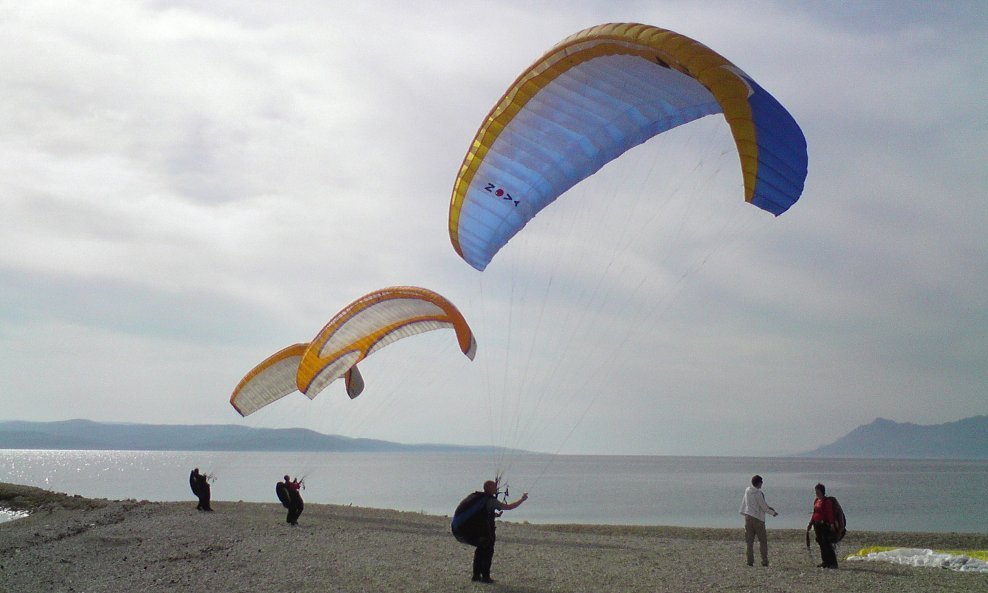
<point>963,439</point>
<point>86,434</point>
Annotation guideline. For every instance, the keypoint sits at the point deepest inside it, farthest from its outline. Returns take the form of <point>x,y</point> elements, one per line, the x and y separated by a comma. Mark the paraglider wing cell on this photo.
<point>326,370</point>
<point>269,381</point>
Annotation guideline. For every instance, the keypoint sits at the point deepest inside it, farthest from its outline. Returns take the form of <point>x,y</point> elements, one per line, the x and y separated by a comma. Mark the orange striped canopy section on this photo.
<point>271,380</point>
<point>372,322</point>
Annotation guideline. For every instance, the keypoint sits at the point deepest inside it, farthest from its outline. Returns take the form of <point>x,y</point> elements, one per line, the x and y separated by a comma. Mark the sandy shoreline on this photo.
<point>74,544</point>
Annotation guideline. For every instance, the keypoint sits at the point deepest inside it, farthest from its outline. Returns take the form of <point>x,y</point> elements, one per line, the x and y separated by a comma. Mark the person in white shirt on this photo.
<point>754,508</point>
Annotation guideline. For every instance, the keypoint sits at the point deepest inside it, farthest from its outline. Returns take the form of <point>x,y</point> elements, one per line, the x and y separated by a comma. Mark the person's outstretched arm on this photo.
<point>516,503</point>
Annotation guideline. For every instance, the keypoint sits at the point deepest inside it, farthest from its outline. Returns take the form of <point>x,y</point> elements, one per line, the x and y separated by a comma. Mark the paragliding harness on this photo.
<point>840,521</point>
<point>194,484</point>
<point>282,491</point>
<point>469,523</point>
<point>839,529</point>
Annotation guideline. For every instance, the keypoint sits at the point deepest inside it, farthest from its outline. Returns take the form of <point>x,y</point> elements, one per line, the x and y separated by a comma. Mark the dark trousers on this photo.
<point>294,512</point>
<point>204,499</point>
<point>483,556</point>
<point>823,537</point>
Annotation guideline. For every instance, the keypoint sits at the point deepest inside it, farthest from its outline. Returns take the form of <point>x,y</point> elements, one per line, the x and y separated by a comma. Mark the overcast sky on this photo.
<point>188,187</point>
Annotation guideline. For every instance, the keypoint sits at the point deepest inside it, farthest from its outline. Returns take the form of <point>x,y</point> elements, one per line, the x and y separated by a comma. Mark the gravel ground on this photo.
<point>79,545</point>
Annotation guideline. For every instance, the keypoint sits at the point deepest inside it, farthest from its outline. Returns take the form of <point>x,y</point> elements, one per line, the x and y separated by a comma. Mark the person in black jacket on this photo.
<point>483,556</point>
<point>200,487</point>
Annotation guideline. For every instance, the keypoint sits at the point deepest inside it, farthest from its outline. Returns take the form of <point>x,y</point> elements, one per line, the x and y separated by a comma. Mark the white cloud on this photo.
<point>187,188</point>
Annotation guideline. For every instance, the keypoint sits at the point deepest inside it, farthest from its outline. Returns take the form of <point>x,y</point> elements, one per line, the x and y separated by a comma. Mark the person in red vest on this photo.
<point>295,503</point>
<point>822,522</point>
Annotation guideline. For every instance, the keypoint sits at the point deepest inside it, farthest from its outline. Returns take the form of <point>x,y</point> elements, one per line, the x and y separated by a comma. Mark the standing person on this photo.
<point>822,522</point>
<point>489,508</point>
<point>295,504</point>
<point>200,487</point>
<point>754,507</point>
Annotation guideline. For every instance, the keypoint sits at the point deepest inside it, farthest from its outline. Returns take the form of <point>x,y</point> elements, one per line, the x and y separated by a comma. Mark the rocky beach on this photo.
<point>80,545</point>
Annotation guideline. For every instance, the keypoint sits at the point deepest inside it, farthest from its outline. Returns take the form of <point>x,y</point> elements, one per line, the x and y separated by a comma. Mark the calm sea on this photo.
<point>880,495</point>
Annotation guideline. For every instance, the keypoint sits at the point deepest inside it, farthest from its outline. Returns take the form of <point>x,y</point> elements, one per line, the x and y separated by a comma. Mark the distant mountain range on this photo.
<point>89,435</point>
<point>963,439</point>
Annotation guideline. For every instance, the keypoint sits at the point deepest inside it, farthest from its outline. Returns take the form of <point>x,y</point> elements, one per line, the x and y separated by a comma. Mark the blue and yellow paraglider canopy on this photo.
<point>592,97</point>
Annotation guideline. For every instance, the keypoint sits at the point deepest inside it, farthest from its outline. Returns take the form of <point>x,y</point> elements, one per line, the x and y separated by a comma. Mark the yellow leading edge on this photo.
<point>568,101</point>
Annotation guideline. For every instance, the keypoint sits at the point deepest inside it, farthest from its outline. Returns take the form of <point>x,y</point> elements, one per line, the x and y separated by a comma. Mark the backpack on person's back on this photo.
<point>840,521</point>
<point>469,524</point>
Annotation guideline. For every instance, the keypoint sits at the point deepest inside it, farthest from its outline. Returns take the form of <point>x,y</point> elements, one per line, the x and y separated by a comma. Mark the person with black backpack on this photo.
<point>474,524</point>
<point>824,523</point>
<point>290,497</point>
<point>200,487</point>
